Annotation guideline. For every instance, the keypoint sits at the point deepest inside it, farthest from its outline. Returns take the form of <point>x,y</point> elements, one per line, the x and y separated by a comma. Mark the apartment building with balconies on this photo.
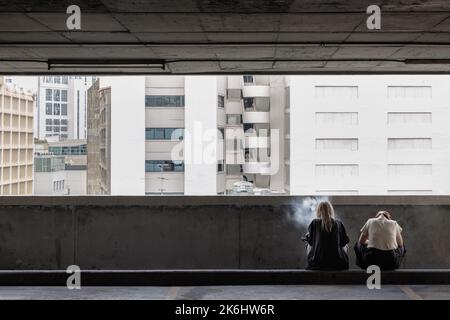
<point>221,127</point>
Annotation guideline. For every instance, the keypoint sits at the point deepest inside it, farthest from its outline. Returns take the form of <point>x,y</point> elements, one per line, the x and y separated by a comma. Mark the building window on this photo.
<point>74,150</point>
<point>64,122</point>
<point>48,94</point>
<point>248,127</point>
<point>234,119</point>
<point>56,109</point>
<point>64,95</point>
<point>57,80</point>
<point>249,104</point>
<point>164,101</point>
<point>220,166</point>
<point>64,109</point>
<point>48,108</point>
<point>337,118</point>
<point>409,169</point>
<point>48,121</point>
<point>55,129</point>
<point>63,129</point>
<point>337,170</point>
<point>221,133</point>
<point>64,80</point>
<point>49,128</point>
<point>164,133</point>
<point>337,144</point>
<point>164,166</point>
<point>56,95</point>
<point>248,79</point>
<point>409,92</point>
<point>409,144</point>
<point>221,101</point>
<point>336,92</point>
<point>409,118</point>
<point>56,121</point>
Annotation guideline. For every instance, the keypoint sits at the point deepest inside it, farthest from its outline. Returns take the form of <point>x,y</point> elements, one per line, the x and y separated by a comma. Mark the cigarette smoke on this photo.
<point>305,211</point>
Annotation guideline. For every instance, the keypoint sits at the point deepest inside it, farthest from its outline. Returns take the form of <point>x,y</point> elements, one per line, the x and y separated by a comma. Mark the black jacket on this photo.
<point>327,248</point>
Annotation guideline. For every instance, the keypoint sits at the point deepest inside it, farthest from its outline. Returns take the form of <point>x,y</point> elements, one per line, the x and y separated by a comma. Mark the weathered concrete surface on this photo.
<point>219,277</point>
<point>297,292</point>
<point>197,232</point>
<point>217,36</point>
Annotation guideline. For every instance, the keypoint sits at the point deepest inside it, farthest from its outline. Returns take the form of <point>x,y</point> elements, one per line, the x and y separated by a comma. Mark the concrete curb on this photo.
<point>220,277</point>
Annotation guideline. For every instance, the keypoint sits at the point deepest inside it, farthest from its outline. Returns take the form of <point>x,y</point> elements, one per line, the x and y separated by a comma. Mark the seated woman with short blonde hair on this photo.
<point>380,243</point>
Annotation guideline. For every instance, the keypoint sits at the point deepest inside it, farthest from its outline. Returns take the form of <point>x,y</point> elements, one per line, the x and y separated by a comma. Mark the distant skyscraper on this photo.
<point>61,107</point>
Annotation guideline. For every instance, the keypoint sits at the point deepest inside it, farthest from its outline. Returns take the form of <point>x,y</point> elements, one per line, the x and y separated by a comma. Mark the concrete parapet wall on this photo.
<point>198,232</point>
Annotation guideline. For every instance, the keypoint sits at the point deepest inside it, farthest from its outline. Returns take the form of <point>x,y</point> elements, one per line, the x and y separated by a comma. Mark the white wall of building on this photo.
<point>76,182</point>
<point>44,183</point>
<point>326,112</point>
<point>78,87</point>
<point>169,182</point>
<point>201,124</point>
<point>127,134</point>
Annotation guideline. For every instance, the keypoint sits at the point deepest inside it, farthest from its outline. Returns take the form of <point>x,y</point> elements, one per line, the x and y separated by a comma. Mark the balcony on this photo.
<point>234,107</point>
<point>254,142</point>
<point>255,91</point>
<point>262,168</point>
<point>234,157</point>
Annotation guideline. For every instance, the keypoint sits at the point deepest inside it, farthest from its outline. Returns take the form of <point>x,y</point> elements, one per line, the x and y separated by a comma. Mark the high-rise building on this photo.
<point>99,139</point>
<point>61,107</point>
<point>16,141</point>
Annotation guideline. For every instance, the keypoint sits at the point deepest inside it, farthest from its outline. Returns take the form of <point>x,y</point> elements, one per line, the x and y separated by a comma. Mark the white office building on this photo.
<point>61,107</point>
<point>49,175</point>
<point>368,135</point>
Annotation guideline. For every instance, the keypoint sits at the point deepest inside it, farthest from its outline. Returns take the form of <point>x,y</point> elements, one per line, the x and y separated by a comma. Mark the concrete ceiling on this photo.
<point>225,36</point>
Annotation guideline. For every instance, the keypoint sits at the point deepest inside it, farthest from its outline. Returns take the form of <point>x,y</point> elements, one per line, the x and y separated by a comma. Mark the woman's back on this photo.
<point>327,247</point>
<point>381,233</point>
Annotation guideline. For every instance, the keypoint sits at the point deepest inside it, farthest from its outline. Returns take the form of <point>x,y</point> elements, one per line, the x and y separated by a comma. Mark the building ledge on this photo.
<point>275,200</point>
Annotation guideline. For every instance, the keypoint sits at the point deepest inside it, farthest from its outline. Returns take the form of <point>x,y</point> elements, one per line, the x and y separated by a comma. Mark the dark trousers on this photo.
<point>385,260</point>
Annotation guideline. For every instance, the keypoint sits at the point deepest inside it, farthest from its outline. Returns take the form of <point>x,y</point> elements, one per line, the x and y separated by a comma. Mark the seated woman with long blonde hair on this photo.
<point>327,241</point>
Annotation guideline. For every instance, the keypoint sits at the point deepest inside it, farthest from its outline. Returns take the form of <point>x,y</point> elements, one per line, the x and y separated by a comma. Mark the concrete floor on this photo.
<point>294,292</point>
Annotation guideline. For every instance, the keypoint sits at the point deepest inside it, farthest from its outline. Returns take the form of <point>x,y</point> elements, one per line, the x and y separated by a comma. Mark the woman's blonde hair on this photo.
<point>325,212</point>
